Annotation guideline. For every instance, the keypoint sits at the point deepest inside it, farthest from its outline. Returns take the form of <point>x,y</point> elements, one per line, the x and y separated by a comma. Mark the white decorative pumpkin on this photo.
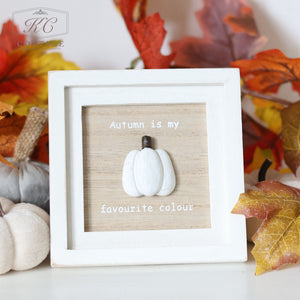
<point>264,174</point>
<point>29,181</point>
<point>24,236</point>
<point>148,172</point>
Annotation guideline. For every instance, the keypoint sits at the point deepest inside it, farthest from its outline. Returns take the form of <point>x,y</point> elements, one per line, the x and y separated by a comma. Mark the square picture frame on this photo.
<point>86,171</point>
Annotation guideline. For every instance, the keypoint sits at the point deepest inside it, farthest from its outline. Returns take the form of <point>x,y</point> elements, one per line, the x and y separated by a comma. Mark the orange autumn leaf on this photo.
<point>268,70</point>
<point>244,23</point>
<point>26,74</point>
<point>147,33</point>
<point>277,240</point>
<point>10,129</point>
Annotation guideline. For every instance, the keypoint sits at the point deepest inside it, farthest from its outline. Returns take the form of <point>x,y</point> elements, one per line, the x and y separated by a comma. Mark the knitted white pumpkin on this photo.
<point>24,236</point>
<point>29,182</point>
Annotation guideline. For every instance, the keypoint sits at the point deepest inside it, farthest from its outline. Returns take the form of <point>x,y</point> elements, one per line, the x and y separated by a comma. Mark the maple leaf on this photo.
<point>147,33</point>
<point>290,135</point>
<point>229,33</point>
<point>277,240</point>
<point>268,70</point>
<point>10,37</point>
<point>25,75</point>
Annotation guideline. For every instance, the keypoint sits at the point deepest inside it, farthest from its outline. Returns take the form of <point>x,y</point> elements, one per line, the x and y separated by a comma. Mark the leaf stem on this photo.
<point>246,91</point>
<point>263,170</point>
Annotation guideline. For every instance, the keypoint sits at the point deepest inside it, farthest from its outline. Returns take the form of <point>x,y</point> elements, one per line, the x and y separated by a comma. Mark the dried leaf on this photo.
<point>221,43</point>
<point>3,160</point>
<point>290,135</point>
<point>147,33</point>
<point>268,70</point>
<point>277,240</point>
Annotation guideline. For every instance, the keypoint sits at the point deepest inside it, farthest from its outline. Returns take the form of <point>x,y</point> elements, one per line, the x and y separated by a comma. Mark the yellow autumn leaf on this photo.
<point>25,74</point>
<point>277,240</point>
<point>269,113</point>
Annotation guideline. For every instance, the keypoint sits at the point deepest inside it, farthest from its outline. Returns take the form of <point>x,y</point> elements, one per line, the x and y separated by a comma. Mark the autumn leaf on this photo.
<point>10,37</point>
<point>268,70</point>
<point>264,112</point>
<point>244,23</point>
<point>229,34</point>
<point>10,129</point>
<point>147,33</point>
<point>290,135</point>
<point>268,146</point>
<point>26,75</point>
<point>277,240</point>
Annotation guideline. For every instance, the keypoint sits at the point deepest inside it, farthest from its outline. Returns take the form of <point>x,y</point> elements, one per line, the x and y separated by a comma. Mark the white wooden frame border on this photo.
<point>225,241</point>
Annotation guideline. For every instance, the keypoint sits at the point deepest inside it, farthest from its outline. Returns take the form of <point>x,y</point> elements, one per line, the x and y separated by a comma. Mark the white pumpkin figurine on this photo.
<point>24,236</point>
<point>148,172</point>
<point>261,175</point>
<point>29,182</point>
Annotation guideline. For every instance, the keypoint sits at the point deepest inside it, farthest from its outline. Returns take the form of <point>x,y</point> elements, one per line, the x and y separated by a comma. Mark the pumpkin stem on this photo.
<point>33,127</point>
<point>146,142</point>
<point>2,213</point>
<point>263,170</point>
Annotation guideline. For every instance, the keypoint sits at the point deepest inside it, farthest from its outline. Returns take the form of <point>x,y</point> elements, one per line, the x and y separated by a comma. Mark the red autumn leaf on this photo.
<point>10,38</point>
<point>277,240</point>
<point>147,33</point>
<point>268,70</point>
<point>221,43</point>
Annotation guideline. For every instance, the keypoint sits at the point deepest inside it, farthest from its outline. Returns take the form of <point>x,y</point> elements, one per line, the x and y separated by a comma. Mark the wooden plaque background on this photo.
<point>105,149</point>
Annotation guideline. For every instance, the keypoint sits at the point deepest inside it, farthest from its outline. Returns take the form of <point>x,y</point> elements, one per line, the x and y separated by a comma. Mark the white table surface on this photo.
<point>202,281</point>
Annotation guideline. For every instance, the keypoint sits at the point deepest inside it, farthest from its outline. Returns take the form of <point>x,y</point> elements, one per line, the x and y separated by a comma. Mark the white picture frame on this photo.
<point>219,89</point>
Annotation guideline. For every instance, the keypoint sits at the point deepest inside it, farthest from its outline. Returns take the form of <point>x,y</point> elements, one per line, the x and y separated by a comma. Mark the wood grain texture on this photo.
<point>105,149</point>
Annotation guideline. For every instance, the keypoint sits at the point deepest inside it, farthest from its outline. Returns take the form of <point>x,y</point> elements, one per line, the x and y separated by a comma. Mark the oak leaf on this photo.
<point>277,240</point>
<point>290,135</point>
<point>229,33</point>
<point>268,70</point>
<point>147,33</point>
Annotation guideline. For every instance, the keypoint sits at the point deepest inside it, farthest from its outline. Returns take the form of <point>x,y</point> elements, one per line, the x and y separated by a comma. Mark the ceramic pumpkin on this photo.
<point>24,236</point>
<point>264,174</point>
<point>29,181</point>
<point>148,172</point>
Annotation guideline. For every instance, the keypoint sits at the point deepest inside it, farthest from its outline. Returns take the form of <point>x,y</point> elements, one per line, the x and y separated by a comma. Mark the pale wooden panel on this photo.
<point>105,150</point>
